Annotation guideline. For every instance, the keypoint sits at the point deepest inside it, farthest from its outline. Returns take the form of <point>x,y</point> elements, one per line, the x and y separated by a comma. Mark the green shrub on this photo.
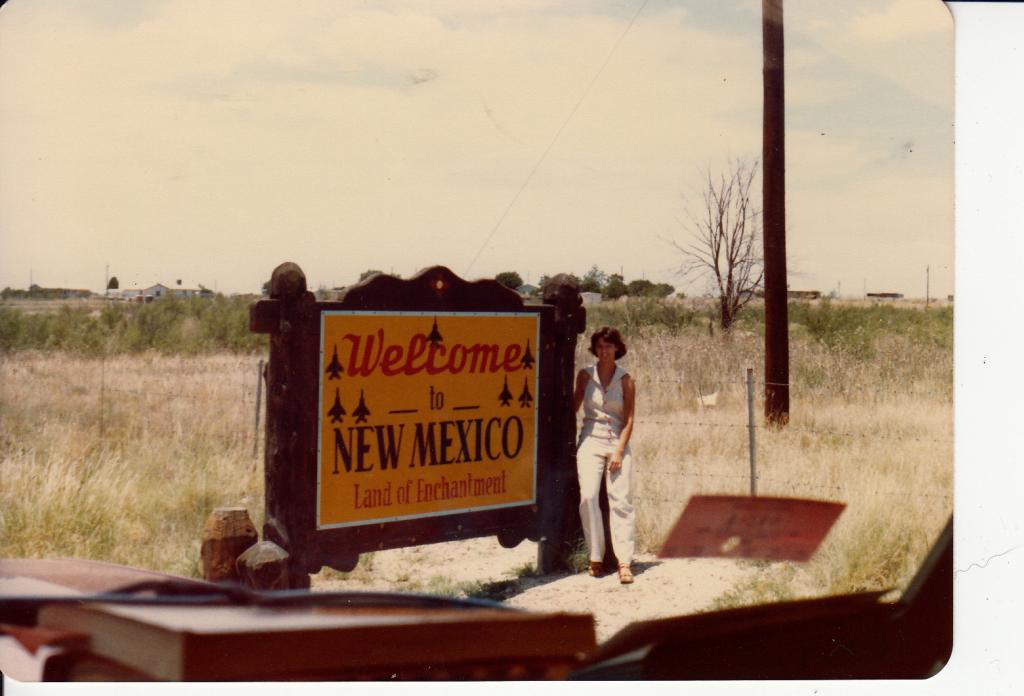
<point>200,325</point>
<point>856,330</point>
<point>171,325</point>
<point>633,314</point>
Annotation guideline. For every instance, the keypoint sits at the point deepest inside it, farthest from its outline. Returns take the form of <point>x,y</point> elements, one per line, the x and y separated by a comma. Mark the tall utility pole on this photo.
<point>773,154</point>
<point>927,284</point>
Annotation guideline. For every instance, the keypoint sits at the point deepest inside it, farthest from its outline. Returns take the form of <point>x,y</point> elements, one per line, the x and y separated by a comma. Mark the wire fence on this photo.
<point>795,429</point>
<point>788,483</point>
<point>710,405</point>
<point>708,387</point>
<point>832,491</point>
<point>246,399</point>
<point>177,396</point>
<point>757,431</point>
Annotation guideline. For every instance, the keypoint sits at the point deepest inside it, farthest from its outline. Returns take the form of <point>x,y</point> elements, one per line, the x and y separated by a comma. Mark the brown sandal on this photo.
<point>596,569</point>
<point>625,574</point>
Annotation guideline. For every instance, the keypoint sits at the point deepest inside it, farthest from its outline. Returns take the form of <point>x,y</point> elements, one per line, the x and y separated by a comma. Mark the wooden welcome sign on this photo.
<point>418,411</point>
<point>445,433</point>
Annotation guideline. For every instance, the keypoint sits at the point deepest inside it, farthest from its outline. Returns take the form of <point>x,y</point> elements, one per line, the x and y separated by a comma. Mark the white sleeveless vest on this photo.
<point>603,408</point>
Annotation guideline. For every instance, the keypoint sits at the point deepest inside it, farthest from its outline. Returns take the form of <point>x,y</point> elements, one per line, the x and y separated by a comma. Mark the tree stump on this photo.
<point>264,566</point>
<point>227,533</point>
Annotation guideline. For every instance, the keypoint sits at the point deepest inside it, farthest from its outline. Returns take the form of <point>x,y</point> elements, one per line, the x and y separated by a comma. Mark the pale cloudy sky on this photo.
<point>211,141</point>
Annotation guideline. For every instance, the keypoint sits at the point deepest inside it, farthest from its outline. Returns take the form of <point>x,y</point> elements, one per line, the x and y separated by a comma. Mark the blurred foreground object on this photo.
<point>857,636</point>
<point>72,620</point>
<point>734,526</point>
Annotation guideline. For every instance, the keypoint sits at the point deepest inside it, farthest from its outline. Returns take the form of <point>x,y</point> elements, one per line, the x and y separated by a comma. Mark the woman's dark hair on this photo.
<point>608,335</point>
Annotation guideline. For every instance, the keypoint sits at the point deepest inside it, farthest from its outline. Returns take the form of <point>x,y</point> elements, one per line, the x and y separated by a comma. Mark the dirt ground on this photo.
<point>481,566</point>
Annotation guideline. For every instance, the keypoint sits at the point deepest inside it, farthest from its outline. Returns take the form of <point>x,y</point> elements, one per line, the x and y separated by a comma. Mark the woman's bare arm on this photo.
<point>581,387</point>
<point>628,402</point>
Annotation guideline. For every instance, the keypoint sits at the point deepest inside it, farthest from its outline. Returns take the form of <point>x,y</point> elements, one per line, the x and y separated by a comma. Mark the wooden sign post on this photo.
<point>417,411</point>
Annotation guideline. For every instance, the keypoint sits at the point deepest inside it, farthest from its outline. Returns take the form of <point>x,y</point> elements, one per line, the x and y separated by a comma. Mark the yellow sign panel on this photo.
<point>425,414</point>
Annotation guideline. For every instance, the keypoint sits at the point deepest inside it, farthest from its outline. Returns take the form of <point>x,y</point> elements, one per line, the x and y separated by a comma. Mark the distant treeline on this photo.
<point>852,329</point>
<point>169,325</point>
<point>205,325</point>
<point>856,329</point>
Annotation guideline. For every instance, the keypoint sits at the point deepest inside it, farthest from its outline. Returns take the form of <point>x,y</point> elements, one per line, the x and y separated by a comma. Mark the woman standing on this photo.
<point>607,394</point>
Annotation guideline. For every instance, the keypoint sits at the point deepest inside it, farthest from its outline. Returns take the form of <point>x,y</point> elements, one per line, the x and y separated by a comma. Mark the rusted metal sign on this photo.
<point>425,414</point>
<point>776,529</point>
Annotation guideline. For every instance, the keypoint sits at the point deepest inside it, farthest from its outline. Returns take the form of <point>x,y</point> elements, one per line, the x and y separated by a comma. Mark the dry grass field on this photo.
<point>122,459</point>
<point>875,434</point>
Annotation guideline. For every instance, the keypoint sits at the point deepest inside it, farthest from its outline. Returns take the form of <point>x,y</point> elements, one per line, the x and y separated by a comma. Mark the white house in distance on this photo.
<point>527,290</point>
<point>131,294</point>
<point>155,292</point>
<point>590,298</point>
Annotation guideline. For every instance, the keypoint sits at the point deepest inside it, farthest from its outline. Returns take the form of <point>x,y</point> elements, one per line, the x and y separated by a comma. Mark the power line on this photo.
<point>558,133</point>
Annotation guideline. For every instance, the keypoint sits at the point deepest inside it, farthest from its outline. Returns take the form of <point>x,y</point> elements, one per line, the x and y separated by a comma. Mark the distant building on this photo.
<point>59,293</point>
<point>527,290</point>
<point>803,294</point>
<point>590,298</point>
<point>790,294</point>
<point>130,293</point>
<point>885,295</point>
<point>155,292</point>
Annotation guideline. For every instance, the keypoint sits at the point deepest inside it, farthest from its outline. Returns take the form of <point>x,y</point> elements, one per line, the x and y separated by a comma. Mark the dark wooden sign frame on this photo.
<point>292,317</point>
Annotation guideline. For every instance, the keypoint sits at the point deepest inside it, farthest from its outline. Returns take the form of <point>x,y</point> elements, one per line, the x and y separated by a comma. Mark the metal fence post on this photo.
<point>259,396</point>
<point>750,429</point>
<point>103,392</point>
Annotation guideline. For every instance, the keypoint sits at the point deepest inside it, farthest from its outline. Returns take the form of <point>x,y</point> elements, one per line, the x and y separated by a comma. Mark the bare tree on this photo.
<point>725,239</point>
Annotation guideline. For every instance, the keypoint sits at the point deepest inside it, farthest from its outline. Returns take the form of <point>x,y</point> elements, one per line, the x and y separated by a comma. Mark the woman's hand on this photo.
<point>615,461</point>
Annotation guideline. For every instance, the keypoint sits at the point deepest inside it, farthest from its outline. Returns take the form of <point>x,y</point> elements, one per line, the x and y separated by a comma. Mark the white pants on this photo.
<point>591,464</point>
